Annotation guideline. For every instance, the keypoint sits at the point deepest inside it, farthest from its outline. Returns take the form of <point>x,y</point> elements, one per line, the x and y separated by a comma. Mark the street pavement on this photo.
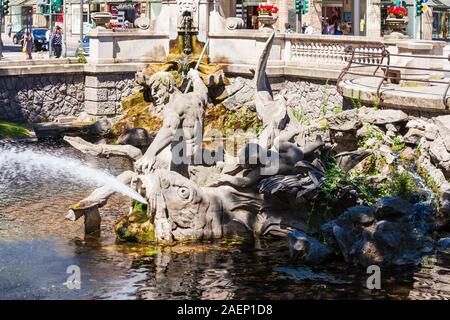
<point>13,52</point>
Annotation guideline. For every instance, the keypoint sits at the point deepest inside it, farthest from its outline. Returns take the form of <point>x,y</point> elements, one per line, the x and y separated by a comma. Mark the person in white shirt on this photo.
<point>309,30</point>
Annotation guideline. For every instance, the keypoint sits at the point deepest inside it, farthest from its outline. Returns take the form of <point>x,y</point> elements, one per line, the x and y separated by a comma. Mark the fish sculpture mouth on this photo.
<point>177,206</point>
<point>152,188</point>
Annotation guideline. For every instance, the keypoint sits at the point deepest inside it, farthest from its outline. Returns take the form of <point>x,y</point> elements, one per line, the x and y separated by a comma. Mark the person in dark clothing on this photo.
<point>57,42</point>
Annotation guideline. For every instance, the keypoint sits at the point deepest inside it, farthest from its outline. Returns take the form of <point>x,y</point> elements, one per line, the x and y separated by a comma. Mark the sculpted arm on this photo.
<point>162,140</point>
<point>198,85</point>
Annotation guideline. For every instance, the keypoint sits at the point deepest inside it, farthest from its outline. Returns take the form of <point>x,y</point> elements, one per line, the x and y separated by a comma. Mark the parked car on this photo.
<point>40,41</point>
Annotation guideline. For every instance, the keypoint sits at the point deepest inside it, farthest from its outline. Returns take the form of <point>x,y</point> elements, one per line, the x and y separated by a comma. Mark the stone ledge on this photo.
<point>426,100</point>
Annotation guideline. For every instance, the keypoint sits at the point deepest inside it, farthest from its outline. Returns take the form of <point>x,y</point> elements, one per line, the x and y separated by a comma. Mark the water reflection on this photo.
<point>37,245</point>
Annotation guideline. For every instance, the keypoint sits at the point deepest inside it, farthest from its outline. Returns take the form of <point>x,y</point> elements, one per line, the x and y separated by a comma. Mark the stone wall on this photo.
<point>105,92</point>
<point>39,98</point>
<point>309,97</point>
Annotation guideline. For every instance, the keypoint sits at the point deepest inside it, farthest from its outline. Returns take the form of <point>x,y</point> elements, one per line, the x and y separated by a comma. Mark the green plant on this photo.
<point>370,133</point>
<point>80,55</point>
<point>300,117</point>
<point>12,130</point>
<point>338,110</point>
<point>376,103</point>
<point>398,144</point>
<point>357,102</point>
<point>403,185</point>
<point>139,208</point>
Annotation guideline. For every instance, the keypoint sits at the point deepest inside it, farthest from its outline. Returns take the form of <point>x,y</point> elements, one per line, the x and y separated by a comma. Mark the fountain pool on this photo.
<point>37,245</point>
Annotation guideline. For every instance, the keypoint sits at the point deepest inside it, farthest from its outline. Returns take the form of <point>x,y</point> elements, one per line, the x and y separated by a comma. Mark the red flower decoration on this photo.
<point>267,9</point>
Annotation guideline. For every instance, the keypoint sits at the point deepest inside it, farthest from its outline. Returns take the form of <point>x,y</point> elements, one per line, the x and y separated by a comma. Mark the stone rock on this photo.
<point>392,208</point>
<point>375,235</point>
<point>137,137</point>
<point>443,126</point>
<point>101,127</point>
<point>386,153</point>
<point>443,245</point>
<point>242,97</point>
<point>436,174</point>
<point>417,124</point>
<point>392,128</point>
<point>345,121</point>
<point>440,155</point>
<point>413,136</point>
<point>431,131</point>
<point>383,117</point>
<point>361,215</point>
<point>236,85</point>
<point>444,199</point>
<point>306,248</point>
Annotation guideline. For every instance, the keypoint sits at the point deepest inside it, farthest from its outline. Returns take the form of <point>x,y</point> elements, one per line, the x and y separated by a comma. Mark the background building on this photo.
<point>353,17</point>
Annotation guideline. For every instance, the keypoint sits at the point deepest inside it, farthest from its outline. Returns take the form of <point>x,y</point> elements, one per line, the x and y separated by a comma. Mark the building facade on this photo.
<point>351,17</point>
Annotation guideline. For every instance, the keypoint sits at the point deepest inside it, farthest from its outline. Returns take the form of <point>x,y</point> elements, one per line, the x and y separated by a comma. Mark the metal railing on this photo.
<point>392,73</point>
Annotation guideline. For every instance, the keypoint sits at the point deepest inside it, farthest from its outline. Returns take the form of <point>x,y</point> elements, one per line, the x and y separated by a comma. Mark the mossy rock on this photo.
<point>136,115</point>
<point>13,131</point>
<point>135,228</point>
<point>220,118</point>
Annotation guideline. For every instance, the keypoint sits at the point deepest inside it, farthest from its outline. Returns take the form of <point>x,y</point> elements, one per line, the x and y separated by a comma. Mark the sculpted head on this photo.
<point>162,85</point>
<point>187,5</point>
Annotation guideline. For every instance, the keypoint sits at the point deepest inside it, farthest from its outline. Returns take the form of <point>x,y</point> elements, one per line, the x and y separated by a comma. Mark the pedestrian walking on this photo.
<point>57,42</point>
<point>9,29</point>
<point>28,45</point>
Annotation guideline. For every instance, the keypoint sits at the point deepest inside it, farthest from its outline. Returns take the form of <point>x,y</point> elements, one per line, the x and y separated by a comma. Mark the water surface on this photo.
<point>37,246</point>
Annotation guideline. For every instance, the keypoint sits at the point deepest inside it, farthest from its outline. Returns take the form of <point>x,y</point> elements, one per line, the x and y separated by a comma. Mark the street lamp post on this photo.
<point>1,42</point>
<point>65,28</point>
<point>81,22</point>
<point>50,18</point>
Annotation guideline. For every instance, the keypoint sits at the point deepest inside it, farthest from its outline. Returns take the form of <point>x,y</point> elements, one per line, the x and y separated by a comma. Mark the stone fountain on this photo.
<point>266,188</point>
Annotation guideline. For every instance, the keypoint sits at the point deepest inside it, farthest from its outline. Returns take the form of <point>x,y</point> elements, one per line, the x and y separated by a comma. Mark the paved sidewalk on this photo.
<point>13,52</point>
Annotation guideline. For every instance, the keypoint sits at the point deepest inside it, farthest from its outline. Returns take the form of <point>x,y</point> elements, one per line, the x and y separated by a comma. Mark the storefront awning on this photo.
<point>440,3</point>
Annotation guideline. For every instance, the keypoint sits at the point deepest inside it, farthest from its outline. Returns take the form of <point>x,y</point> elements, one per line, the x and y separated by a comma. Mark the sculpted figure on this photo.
<point>256,163</point>
<point>272,112</point>
<point>182,118</point>
<point>181,210</point>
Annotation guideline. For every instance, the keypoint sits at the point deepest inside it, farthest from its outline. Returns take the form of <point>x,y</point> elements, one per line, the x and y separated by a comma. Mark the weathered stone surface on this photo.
<point>381,117</point>
<point>343,130</point>
<point>345,121</point>
<point>44,98</point>
<point>413,136</point>
<point>431,131</point>
<point>443,245</point>
<point>392,208</point>
<point>440,156</point>
<point>444,199</point>
<point>416,124</point>
<point>95,94</point>
<point>443,126</point>
<point>242,97</point>
<point>101,127</point>
<point>376,235</point>
<point>100,108</point>
<point>137,137</point>
<point>306,248</point>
